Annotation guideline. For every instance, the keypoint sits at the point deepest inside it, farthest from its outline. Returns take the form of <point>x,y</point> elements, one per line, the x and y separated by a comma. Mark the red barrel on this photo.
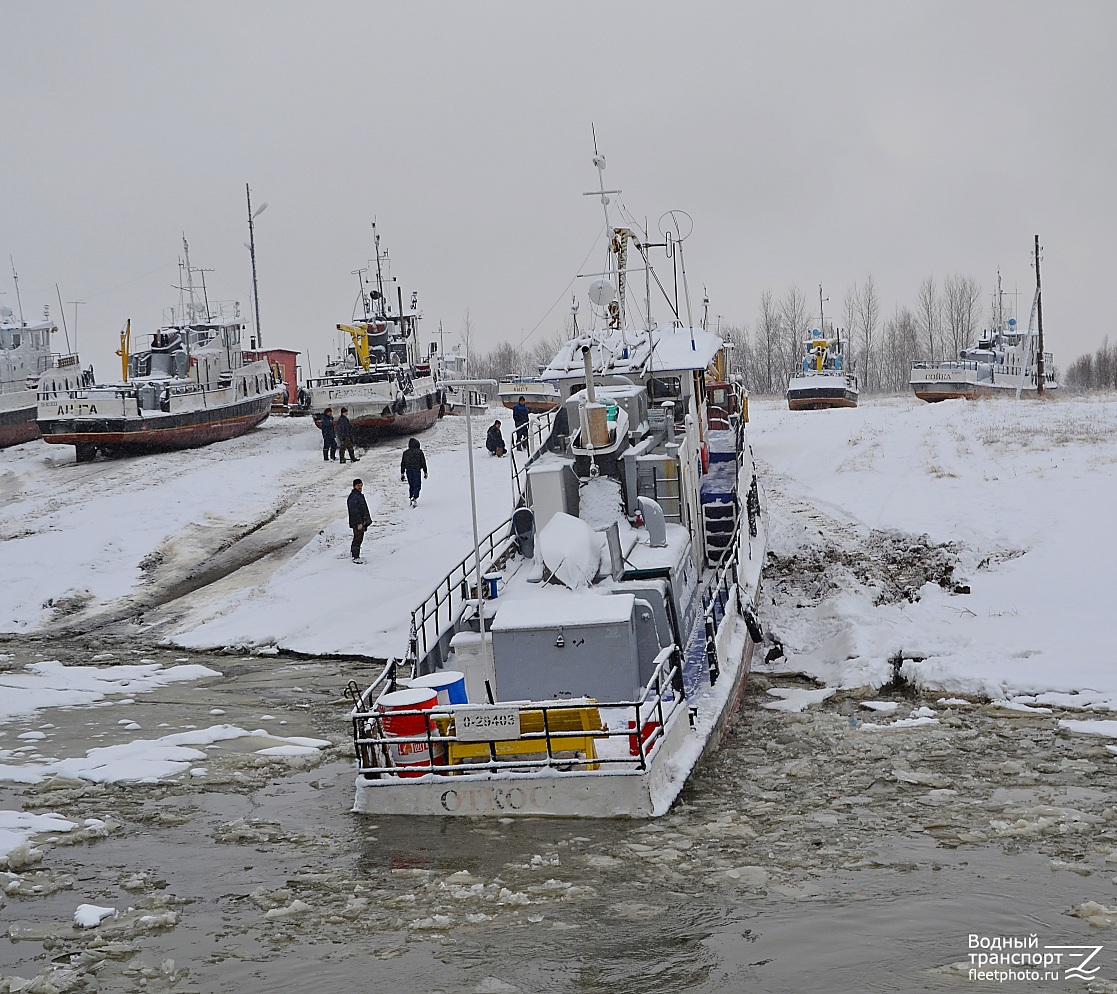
<point>650,731</point>
<point>413,758</point>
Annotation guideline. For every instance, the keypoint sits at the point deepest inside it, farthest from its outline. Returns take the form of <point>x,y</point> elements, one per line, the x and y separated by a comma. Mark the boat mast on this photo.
<point>1039,323</point>
<point>252,250</point>
<point>379,272</point>
<point>62,311</point>
<point>1000,304</point>
<point>15,280</point>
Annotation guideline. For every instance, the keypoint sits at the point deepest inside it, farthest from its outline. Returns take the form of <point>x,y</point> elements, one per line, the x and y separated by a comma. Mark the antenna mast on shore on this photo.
<point>1040,372</point>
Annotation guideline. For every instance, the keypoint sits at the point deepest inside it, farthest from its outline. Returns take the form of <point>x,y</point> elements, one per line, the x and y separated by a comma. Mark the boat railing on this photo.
<point>435,616</point>
<point>540,428</point>
<point>958,364</point>
<point>515,736</point>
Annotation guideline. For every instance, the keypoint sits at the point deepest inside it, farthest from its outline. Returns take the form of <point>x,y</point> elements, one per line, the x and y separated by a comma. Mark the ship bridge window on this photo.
<point>665,388</point>
<point>10,340</point>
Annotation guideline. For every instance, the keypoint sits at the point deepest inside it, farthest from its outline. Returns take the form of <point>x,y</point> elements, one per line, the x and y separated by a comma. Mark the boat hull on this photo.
<point>613,793</point>
<point>18,425</point>
<point>934,391</point>
<point>820,399</point>
<point>156,432</point>
<point>536,406</point>
<point>821,391</point>
<point>372,427</point>
<point>374,414</point>
<point>625,794</point>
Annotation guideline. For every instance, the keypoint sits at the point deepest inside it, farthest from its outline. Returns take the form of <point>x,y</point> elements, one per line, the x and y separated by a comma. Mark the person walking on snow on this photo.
<point>345,436</point>
<point>411,464</point>
<point>520,417</point>
<point>329,436</point>
<point>359,519</point>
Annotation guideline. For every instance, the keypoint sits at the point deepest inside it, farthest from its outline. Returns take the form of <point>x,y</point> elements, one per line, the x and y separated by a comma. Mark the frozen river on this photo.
<point>813,849</point>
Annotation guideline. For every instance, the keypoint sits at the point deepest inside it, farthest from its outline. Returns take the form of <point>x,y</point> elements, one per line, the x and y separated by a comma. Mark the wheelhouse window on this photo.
<point>665,388</point>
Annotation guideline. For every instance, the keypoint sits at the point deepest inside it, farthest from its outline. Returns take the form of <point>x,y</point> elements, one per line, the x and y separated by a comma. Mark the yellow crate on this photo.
<point>561,722</point>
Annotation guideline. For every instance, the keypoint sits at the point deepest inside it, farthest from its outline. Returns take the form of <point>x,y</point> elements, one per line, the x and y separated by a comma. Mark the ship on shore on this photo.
<point>191,386</point>
<point>379,374</point>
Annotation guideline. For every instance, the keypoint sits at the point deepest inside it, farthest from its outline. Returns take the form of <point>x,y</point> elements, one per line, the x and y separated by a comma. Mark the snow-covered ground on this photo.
<point>244,542</point>
<point>880,514</point>
<point>968,540</point>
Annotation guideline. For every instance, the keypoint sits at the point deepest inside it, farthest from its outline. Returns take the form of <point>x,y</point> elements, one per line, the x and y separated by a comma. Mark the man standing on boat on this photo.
<point>329,437</point>
<point>345,436</point>
<point>520,416</point>
<point>359,519</point>
<point>411,465</point>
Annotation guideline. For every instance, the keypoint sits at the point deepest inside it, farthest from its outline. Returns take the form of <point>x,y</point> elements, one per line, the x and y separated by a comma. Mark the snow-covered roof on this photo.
<point>558,608</point>
<point>636,352</point>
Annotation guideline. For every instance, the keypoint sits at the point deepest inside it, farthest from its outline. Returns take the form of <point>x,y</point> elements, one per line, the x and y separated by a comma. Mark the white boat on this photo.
<point>452,366</point>
<point>25,355</point>
<point>190,387</point>
<point>1003,362</point>
<point>825,377</point>
<point>593,648</point>
<point>539,395</point>
<point>378,374</point>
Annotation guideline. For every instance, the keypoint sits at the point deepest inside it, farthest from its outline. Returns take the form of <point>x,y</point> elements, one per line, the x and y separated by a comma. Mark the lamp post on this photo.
<point>491,385</point>
<point>252,250</point>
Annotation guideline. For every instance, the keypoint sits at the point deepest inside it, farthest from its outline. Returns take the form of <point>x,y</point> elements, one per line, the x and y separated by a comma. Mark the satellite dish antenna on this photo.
<point>602,293</point>
<point>679,223</point>
<point>1012,322</point>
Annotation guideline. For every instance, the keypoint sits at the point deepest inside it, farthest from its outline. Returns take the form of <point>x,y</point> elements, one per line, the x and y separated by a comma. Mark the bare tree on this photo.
<point>929,309</point>
<point>767,334</point>
<point>793,326</point>
<point>468,335</point>
<point>960,311</point>
<point>899,344</point>
<point>868,315</point>
<point>742,357</point>
<point>544,350</point>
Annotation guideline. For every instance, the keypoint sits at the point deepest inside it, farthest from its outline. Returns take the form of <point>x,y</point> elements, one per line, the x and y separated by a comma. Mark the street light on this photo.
<point>491,385</point>
<point>252,250</point>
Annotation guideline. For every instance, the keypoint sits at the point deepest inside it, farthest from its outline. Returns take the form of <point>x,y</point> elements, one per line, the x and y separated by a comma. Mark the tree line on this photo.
<point>1094,372</point>
<point>942,319</point>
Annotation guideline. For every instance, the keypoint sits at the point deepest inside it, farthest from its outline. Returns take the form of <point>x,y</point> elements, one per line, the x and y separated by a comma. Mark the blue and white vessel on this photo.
<point>599,640</point>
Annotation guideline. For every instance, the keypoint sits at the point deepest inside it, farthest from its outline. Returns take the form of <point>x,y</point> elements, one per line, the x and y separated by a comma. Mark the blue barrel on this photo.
<point>450,685</point>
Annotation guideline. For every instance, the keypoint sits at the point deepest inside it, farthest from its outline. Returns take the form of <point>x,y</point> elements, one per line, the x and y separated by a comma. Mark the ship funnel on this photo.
<point>587,359</point>
<point>654,521</point>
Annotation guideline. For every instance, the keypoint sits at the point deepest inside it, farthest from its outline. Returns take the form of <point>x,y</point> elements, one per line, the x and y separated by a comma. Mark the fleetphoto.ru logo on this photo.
<point>1012,957</point>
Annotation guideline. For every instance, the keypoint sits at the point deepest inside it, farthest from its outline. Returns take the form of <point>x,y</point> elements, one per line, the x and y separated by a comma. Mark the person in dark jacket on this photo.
<point>411,465</point>
<point>359,519</point>
<point>520,416</point>
<point>345,436</point>
<point>494,440</point>
<point>329,435</point>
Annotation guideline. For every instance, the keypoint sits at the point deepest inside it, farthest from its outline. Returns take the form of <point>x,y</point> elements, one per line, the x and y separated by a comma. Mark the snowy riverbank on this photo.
<point>877,515</point>
<point>1011,495</point>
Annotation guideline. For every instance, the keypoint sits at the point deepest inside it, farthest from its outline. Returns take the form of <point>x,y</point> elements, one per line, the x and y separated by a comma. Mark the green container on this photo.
<point>610,412</point>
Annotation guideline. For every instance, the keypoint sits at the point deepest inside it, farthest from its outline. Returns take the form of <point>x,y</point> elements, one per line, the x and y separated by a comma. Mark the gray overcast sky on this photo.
<point>811,142</point>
